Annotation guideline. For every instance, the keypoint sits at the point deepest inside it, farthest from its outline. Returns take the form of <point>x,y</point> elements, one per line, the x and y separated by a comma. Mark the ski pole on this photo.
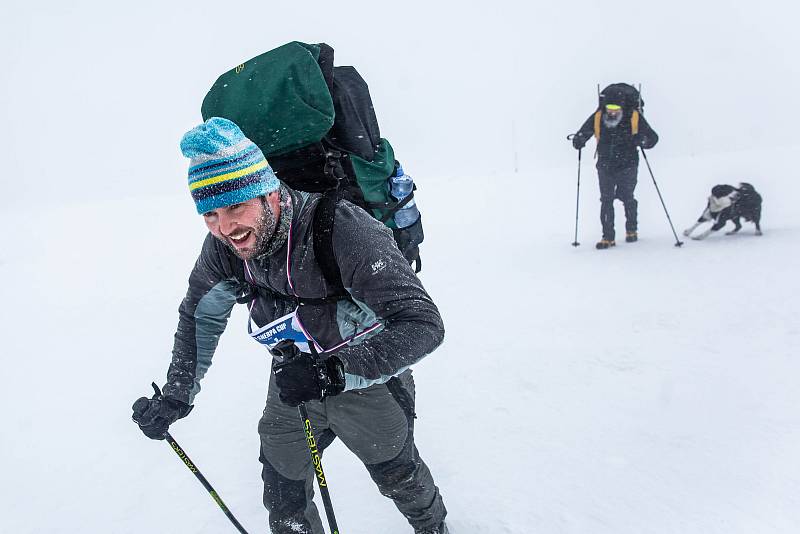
<point>287,350</point>
<point>578,195</point>
<point>577,199</point>
<point>316,460</point>
<point>678,242</point>
<point>193,468</point>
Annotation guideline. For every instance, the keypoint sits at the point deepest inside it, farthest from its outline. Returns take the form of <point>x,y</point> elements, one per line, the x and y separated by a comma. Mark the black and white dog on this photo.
<point>728,203</point>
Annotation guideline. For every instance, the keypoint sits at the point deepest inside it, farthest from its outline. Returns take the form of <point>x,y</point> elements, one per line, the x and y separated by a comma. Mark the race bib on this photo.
<point>286,327</point>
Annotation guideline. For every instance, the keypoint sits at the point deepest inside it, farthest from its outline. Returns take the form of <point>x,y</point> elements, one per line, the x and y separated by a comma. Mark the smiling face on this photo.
<point>245,227</point>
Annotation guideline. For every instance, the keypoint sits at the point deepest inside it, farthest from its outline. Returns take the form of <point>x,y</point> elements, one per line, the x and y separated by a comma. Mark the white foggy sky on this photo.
<point>106,91</point>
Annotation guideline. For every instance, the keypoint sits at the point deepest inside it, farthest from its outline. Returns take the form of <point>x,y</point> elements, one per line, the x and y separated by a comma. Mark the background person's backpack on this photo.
<point>316,126</point>
<point>624,95</point>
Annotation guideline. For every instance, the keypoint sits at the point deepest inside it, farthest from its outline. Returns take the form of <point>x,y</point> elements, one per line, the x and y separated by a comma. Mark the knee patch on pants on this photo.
<point>395,476</point>
<point>282,496</point>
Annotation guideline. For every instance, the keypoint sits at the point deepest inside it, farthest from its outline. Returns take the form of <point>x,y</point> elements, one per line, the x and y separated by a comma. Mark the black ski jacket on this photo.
<point>382,286</point>
<point>616,148</point>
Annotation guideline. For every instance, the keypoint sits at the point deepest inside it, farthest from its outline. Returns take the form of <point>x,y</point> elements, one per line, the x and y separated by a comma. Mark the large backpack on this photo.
<point>624,95</point>
<point>316,126</point>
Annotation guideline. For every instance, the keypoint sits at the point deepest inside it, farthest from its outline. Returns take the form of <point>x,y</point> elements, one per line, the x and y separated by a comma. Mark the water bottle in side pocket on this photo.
<point>401,185</point>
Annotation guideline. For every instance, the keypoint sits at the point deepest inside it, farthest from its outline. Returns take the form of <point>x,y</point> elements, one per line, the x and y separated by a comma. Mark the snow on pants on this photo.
<point>617,184</point>
<point>376,424</point>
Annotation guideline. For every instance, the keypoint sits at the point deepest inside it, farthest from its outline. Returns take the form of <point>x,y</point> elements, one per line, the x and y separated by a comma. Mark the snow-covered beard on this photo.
<point>612,122</point>
<point>264,229</point>
<point>271,232</point>
<point>280,229</point>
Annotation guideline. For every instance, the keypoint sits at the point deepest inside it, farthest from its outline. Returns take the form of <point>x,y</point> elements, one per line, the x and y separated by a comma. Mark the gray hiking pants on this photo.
<point>376,424</point>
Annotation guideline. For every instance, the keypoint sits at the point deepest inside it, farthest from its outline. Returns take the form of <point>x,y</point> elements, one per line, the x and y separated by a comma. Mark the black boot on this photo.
<point>631,237</point>
<point>441,529</point>
<point>605,243</point>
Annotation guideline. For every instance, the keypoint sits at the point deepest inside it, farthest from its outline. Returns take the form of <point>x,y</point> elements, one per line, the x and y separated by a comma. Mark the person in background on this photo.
<point>620,129</point>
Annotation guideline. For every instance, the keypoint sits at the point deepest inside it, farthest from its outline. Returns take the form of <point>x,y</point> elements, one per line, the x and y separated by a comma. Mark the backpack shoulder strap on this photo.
<point>322,227</point>
<point>597,117</point>
<point>634,122</point>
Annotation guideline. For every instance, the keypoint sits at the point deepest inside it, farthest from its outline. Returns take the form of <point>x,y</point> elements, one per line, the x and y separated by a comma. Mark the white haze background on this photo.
<point>643,389</point>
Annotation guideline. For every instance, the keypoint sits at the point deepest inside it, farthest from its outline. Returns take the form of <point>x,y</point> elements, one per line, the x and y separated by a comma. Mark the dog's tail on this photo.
<point>748,195</point>
<point>746,188</point>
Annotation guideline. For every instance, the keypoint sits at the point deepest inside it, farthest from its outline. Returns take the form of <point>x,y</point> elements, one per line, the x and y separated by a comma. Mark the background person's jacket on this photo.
<point>616,147</point>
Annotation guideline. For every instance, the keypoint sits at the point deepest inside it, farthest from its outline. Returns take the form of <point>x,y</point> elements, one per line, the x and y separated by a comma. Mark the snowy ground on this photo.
<point>644,389</point>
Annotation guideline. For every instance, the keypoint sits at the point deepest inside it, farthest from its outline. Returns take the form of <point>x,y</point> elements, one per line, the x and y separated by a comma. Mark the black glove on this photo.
<point>154,415</point>
<point>302,377</point>
<point>641,140</point>
<point>578,141</point>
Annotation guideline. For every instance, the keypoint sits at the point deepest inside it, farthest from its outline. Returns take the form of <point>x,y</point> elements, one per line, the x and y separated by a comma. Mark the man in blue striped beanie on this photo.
<point>341,346</point>
<point>234,188</point>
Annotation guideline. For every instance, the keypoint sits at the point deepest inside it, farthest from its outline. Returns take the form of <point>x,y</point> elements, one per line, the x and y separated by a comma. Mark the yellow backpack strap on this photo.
<point>635,123</point>
<point>597,117</point>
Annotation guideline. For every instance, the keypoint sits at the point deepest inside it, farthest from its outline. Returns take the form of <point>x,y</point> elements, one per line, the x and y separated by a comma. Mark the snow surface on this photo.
<point>643,389</point>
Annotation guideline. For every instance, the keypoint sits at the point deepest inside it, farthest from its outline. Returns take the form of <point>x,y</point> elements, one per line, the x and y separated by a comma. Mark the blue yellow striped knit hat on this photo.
<point>225,166</point>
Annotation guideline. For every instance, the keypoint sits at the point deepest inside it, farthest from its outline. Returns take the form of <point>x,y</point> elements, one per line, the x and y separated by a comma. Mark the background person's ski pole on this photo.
<point>578,195</point>
<point>316,461</point>
<point>193,468</point>
<point>678,242</point>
